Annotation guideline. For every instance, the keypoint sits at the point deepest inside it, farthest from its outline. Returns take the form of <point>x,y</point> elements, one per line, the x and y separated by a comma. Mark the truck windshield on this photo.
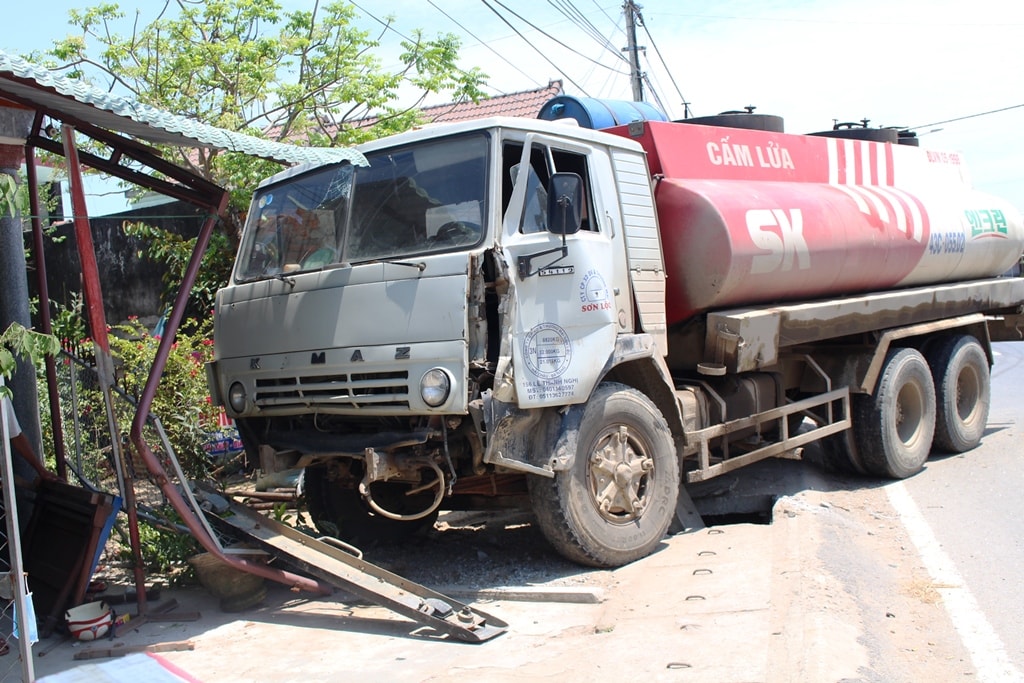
<point>409,201</point>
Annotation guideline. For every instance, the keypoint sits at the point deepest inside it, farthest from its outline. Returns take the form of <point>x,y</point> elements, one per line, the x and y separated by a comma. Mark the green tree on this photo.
<point>18,341</point>
<point>246,65</point>
<point>306,76</point>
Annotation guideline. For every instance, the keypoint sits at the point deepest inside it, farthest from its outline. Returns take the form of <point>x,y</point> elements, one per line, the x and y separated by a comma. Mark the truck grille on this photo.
<point>355,390</point>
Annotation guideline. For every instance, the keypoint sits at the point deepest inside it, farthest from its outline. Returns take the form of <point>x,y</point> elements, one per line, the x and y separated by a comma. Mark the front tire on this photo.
<point>893,427</point>
<point>962,393</point>
<point>616,501</point>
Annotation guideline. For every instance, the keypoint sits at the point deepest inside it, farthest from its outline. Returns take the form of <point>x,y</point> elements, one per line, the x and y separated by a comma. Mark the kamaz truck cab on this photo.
<point>452,326</point>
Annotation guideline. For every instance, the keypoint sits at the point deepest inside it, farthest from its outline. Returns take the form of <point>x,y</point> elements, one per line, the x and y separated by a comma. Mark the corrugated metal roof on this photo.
<point>65,98</point>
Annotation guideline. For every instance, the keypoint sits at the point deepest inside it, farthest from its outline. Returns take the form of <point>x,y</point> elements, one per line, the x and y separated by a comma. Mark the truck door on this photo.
<point>561,317</point>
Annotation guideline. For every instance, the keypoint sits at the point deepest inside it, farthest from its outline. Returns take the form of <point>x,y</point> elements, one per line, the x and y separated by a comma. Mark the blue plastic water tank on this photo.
<point>595,113</point>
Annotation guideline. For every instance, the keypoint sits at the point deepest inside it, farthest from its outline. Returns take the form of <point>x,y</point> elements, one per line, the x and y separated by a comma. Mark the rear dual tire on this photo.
<point>918,405</point>
<point>893,427</point>
<point>960,371</point>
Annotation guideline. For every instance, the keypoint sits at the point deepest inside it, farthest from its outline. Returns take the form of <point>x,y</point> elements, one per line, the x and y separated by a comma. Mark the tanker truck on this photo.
<point>588,312</point>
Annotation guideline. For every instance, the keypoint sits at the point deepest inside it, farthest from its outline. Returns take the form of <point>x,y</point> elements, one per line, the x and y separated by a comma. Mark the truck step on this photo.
<point>361,578</point>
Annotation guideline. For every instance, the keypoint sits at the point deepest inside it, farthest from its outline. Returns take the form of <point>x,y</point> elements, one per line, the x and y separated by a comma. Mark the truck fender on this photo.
<point>519,439</point>
<point>638,362</point>
<point>563,454</point>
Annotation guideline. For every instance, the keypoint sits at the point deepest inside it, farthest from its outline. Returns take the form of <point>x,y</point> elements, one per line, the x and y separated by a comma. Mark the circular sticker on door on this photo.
<point>594,293</point>
<point>547,351</point>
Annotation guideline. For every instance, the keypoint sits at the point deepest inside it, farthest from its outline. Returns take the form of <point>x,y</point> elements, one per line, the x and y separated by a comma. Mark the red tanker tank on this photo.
<point>749,216</point>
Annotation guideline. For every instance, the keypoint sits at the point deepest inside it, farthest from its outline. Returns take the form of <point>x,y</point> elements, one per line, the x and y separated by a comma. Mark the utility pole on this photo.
<point>632,11</point>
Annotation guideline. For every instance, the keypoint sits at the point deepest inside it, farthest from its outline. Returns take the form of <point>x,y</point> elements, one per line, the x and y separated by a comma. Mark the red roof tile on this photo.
<point>526,103</point>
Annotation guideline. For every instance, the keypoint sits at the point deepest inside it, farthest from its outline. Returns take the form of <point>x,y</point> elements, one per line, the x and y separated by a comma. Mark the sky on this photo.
<point>910,63</point>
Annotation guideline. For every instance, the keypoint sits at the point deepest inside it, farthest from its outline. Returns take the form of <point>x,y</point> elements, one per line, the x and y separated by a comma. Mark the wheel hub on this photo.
<point>618,476</point>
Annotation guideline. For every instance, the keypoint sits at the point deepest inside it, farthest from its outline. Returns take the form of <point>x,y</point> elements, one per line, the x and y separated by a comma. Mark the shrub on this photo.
<point>182,401</point>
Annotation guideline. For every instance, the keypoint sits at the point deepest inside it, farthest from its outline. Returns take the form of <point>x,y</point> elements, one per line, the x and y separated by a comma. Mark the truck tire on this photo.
<point>840,455</point>
<point>962,392</point>
<point>341,512</point>
<point>893,427</point>
<point>615,503</point>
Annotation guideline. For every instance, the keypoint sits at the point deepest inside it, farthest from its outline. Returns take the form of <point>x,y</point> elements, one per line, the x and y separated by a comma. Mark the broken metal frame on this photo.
<point>361,578</point>
<point>431,608</point>
<point>181,185</point>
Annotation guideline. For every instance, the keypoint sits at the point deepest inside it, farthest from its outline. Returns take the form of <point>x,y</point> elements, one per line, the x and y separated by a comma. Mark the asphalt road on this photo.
<point>974,505</point>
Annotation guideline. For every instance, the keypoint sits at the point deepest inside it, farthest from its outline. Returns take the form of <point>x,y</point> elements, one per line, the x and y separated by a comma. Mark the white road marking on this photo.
<point>985,648</point>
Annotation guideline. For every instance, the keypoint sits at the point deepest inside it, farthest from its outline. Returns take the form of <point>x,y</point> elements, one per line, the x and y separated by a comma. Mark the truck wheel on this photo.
<point>615,503</point>
<point>893,428</point>
<point>840,455</point>
<point>341,512</point>
<point>962,387</point>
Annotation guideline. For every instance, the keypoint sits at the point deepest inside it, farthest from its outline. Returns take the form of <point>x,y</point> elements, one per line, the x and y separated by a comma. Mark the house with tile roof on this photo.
<point>525,103</point>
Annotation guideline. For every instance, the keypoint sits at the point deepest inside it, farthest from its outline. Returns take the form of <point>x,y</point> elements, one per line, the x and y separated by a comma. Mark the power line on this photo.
<point>664,65</point>
<point>534,47</point>
<point>388,27</point>
<point>969,116</point>
<point>573,14</point>
<point>548,35</point>
<point>484,43</point>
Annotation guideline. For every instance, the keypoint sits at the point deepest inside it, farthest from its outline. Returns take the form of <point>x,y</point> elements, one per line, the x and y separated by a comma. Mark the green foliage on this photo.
<point>67,322</point>
<point>8,195</point>
<point>174,252</point>
<point>164,549</point>
<point>16,340</point>
<point>248,65</point>
<point>182,399</point>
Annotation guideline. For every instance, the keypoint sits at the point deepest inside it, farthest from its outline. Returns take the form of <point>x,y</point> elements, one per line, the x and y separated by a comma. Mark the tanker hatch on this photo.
<point>860,130</point>
<point>745,118</point>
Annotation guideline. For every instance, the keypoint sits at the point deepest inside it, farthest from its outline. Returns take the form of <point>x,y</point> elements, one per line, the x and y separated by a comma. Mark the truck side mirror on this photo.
<point>565,199</point>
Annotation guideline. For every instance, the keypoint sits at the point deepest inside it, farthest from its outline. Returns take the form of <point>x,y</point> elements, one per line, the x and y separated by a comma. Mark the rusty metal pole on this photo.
<point>45,324</point>
<point>104,361</point>
<point>174,497</point>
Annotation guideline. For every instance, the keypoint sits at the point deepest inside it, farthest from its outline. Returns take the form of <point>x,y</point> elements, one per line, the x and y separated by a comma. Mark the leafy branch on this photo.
<point>20,341</point>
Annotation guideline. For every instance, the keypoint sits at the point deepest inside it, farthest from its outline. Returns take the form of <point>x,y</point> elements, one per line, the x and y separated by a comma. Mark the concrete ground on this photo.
<point>828,592</point>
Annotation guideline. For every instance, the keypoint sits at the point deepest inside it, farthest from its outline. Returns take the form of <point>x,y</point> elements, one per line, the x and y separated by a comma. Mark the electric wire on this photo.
<point>664,65</point>
<point>387,26</point>
<point>969,116</point>
<point>570,12</point>
<point>573,14</point>
<point>546,34</point>
<point>485,44</point>
<point>534,47</point>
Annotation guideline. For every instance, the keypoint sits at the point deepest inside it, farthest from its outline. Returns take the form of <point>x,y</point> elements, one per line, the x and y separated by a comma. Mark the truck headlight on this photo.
<point>435,387</point>
<point>236,397</point>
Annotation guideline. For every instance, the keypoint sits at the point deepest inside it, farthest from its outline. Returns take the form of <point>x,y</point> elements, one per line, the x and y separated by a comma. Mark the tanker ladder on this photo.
<point>348,572</point>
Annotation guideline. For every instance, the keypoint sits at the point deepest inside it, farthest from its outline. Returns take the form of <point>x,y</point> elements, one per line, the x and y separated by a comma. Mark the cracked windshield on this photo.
<point>409,202</point>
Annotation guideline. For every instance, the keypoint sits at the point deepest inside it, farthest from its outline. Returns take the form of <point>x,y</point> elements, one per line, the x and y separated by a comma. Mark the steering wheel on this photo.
<point>318,259</point>
<point>457,232</point>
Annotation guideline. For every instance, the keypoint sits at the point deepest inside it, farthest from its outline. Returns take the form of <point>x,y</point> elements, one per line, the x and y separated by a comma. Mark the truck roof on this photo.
<point>564,128</point>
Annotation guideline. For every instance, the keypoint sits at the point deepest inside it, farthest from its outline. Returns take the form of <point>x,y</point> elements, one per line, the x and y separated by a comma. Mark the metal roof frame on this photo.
<point>75,101</point>
<point>129,129</point>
